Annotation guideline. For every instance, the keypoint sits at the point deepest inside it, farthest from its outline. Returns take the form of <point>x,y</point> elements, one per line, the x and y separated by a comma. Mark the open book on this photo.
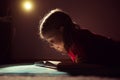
<point>48,64</point>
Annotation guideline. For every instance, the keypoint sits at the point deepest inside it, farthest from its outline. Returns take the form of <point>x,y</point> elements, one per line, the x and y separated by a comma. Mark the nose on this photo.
<point>54,46</point>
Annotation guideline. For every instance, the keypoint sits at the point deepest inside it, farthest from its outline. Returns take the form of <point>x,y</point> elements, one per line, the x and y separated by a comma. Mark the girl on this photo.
<point>58,29</point>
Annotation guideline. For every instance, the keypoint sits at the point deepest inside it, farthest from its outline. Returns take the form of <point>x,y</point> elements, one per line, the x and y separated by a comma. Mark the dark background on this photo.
<point>99,16</point>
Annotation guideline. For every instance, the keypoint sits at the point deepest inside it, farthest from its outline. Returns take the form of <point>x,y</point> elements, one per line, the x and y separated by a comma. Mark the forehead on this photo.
<point>53,34</point>
<point>50,38</point>
<point>55,38</point>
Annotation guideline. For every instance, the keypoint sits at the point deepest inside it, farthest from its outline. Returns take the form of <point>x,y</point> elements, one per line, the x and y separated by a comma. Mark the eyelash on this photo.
<point>52,41</point>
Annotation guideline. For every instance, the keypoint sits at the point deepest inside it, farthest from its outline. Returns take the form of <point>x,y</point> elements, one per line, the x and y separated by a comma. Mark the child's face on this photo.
<point>56,42</point>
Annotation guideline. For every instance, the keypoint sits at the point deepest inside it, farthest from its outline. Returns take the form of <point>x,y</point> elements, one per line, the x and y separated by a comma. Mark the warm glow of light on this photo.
<point>27,5</point>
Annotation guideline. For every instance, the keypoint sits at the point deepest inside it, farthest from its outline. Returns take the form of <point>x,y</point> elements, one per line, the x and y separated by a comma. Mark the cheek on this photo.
<point>55,46</point>
<point>58,47</point>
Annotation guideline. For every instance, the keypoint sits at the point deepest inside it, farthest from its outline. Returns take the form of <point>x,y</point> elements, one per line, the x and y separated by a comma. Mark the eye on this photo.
<point>52,41</point>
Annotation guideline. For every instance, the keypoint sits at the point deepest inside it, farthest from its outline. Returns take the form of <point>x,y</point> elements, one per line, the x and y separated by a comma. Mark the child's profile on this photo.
<point>83,46</point>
